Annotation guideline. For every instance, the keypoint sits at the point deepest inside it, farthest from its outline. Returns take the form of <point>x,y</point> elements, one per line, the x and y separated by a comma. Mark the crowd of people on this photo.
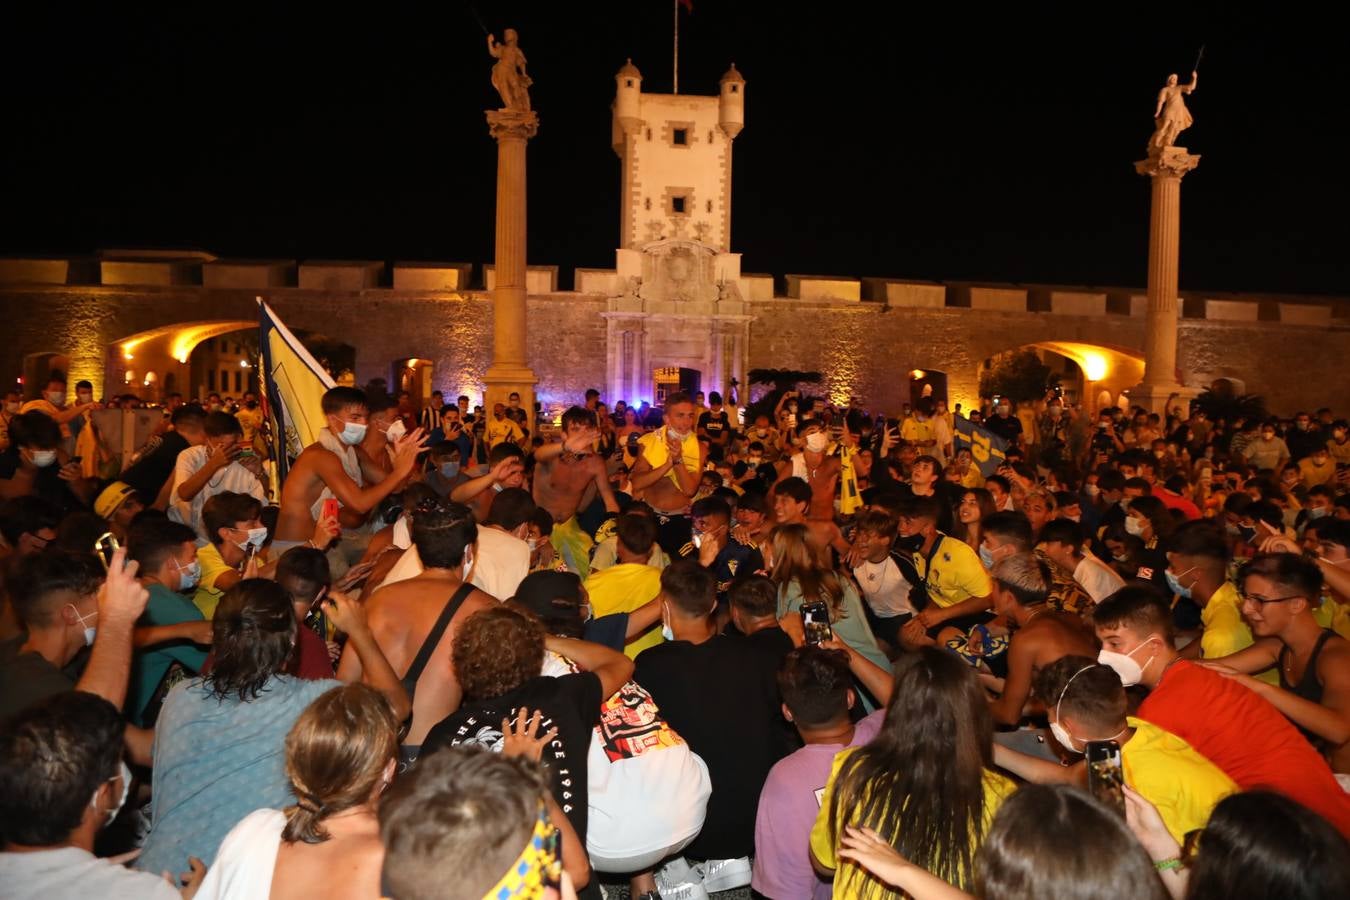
<point>802,649</point>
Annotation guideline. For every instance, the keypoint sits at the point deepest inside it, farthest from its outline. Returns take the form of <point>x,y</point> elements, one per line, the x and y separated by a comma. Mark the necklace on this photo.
<point>877,574</point>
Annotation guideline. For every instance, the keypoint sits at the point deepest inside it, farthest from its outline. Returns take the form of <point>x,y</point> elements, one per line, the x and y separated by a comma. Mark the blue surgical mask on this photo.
<point>1174,582</point>
<point>188,575</point>
<point>450,469</point>
<point>353,433</point>
<point>89,630</point>
<point>1247,532</point>
<point>986,557</point>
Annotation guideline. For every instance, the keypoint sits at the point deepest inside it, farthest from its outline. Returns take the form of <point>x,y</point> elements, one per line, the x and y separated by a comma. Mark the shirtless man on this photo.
<point>566,478</point>
<point>330,467</point>
<point>812,465</point>
<point>666,474</point>
<point>402,618</point>
<point>374,449</point>
<point>1040,634</point>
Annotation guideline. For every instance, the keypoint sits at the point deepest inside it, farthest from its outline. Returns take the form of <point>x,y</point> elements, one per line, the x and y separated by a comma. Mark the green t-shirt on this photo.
<point>148,667</point>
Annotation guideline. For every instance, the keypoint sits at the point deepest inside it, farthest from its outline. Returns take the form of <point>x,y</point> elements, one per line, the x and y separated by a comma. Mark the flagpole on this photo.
<point>676,60</point>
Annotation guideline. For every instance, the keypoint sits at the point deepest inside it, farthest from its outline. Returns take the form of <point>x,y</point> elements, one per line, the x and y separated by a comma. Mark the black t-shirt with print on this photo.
<point>716,425</point>
<point>570,703</point>
<point>722,697</point>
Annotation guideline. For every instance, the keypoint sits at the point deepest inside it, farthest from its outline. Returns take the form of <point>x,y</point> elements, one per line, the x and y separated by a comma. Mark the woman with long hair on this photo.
<point>1256,844</point>
<point>340,756</point>
<point>630,426</point>
<point>803,575</point>
<point>216,740</point>
<point>1046,841</point>
<point>1153,523</point>
<point>976,505</point>
<point>925,783</point>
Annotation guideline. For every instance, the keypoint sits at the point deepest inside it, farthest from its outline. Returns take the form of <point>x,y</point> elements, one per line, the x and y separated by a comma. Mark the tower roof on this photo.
<point>629,70</point>
<point>732,75</point>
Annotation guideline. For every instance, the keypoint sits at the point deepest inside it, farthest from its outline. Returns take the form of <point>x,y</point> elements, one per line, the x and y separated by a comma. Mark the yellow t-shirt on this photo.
<point>1225,631</point>
<point>207,596</point>
<point>1333,615</point>
<point>957,573</point>
<point>1339,452</point>
<point>850,879</point>
<point>1314,475</point>
<point>913,430</point>
<point>972,478</point>
<point>504,430</point>
<point>623,588</point>
<point>1174,777</point>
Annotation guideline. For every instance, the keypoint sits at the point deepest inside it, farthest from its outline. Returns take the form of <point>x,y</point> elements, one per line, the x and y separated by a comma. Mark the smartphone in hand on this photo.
<point>1106,775</point>
<point>816,622</point>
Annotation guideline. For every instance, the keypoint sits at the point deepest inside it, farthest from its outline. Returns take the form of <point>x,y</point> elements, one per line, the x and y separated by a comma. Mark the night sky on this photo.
<point>974,145</point>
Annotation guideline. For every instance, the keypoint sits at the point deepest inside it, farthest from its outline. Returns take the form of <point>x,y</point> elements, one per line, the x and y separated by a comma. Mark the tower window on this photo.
<point>649,134</point>
<point>735,88</point>
<point>677,205</point>
<point>649,203</point>
<point>681,137</point>
<point>710,137</point>
<point>628,82</point>
<point>709,206</point>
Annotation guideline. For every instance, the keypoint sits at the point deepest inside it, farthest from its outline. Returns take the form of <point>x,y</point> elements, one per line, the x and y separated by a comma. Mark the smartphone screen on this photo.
<point>1106,778</point>
<point>816,622</point>
<point>330,507</point>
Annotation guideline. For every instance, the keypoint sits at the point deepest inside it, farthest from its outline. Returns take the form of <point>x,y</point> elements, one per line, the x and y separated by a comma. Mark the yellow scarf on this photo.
<point>850,500</point>
<point>538,868</point>
<point>655,451</point>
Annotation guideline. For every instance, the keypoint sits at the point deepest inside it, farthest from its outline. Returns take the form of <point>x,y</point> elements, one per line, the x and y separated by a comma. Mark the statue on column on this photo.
<point>508,73</point>
<point>1171,116</point>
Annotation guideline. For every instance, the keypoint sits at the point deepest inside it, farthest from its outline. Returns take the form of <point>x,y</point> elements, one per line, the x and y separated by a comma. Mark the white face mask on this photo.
<point>125,774</point>
<point>43,458</point>
<point>677,435</point>
<point>816,442</point>
<point>468,564</point>
<point>1134,526</point>
<point>56,398</point>
<point>666,631</point>
<point>396,431</point>
<point>256,538</point>
<point>1130,672</point>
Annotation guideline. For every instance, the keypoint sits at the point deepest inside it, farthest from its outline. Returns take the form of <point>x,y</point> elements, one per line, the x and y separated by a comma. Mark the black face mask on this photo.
<point>911,543</point>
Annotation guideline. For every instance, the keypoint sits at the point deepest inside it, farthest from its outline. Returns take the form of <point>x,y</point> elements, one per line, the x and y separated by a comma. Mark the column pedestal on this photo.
<point>1165,167</point>
<point>509,371</point>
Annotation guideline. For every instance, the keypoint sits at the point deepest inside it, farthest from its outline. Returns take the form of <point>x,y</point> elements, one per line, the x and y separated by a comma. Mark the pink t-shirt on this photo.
<point>788,806</point>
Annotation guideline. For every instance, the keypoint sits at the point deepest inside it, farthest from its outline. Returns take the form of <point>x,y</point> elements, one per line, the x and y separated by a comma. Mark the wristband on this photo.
<point>1167,865</point>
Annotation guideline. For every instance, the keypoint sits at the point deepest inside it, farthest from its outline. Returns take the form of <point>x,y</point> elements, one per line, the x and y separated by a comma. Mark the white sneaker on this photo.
<point>724,874</point>
<point>677,880</point>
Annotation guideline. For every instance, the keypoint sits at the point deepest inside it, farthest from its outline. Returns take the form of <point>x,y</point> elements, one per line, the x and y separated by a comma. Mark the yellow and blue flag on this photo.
<point>293,387</point>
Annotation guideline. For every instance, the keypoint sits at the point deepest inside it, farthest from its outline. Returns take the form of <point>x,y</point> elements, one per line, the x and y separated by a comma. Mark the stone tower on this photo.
<point>675,299</point>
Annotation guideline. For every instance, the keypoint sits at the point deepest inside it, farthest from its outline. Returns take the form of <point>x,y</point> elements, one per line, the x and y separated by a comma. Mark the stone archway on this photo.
<point>1099,375</point>
<point>146,362</point>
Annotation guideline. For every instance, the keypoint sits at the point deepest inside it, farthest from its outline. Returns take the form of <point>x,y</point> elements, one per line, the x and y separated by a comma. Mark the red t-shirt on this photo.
<point>1176,501</point>
<point>1246,737</point>
<point>311,661</point>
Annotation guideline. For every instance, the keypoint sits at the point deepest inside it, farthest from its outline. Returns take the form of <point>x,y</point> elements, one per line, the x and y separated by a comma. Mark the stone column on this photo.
<point>614,361</point>
<point>1165,167</point>
<point>639,377</point>
<point>509,370</point>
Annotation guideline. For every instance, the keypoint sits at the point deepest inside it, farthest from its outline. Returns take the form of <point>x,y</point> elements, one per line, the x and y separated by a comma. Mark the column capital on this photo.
<point>1167,162</point>
<point>512,124</point>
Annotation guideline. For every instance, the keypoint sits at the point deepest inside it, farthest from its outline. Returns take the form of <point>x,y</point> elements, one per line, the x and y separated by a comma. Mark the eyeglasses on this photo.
<point>1263,601</point>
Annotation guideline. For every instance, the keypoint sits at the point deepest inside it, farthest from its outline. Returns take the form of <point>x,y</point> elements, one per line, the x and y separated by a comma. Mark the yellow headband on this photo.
<point>538,868</point>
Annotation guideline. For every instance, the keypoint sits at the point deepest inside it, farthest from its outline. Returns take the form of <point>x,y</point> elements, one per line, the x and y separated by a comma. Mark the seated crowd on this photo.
<point>674,651</point>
